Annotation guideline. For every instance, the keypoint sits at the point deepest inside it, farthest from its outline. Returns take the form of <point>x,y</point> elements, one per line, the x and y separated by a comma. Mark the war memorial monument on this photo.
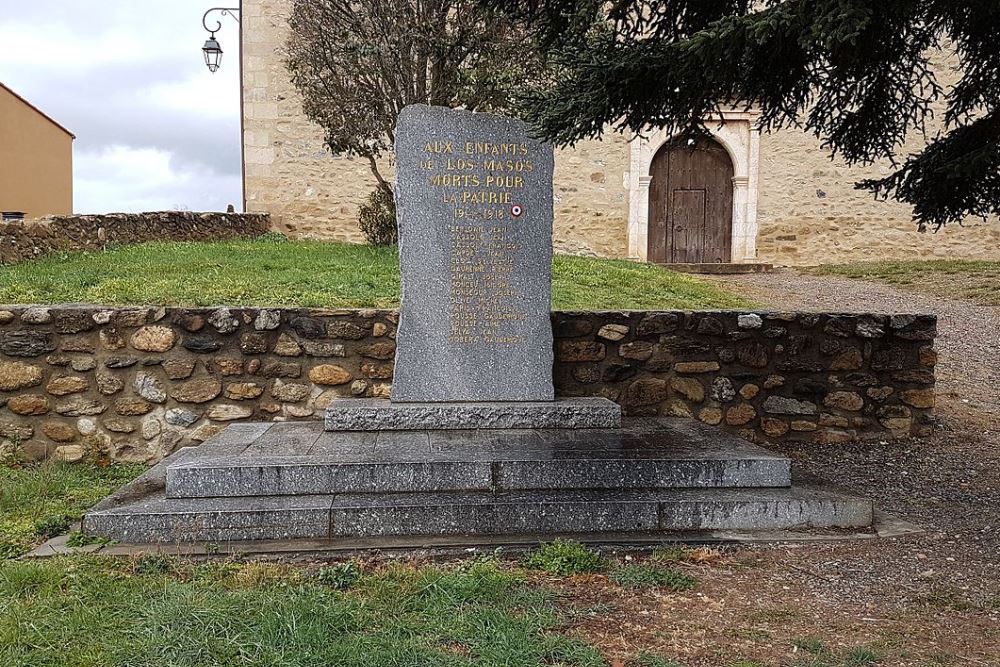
<point>473,447</point>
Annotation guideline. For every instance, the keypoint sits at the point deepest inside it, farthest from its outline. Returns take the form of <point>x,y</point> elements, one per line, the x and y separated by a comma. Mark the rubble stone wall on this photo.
<point>21,240</point>
<point>137,383</point>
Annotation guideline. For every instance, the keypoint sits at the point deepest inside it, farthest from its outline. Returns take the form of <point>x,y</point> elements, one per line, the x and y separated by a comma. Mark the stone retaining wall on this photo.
<point>27,239</point>
<point>137,383</point>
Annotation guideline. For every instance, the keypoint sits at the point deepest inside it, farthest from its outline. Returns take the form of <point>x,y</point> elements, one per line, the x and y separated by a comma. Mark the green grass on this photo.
<point>272,271</point>
<point>565,558</point>
<point>650,660</point>
<point>978,281</point>
<point>649,576</point>
<point>94,612</point>
<point>816,654</point>
<point>38,502</point>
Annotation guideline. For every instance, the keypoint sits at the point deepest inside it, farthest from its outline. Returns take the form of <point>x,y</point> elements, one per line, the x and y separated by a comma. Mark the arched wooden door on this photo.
<point>691,203</point>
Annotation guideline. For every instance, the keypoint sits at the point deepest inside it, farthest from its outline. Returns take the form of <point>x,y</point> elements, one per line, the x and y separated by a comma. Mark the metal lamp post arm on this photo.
<point>233,12</point>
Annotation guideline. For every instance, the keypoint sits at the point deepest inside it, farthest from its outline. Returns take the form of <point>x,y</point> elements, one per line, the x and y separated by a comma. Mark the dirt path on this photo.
<point>968,344</point>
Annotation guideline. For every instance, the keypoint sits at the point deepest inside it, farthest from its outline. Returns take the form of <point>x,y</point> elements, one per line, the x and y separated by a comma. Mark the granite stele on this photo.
<point>474,204</point>
<point>472,447</point>
<point>474,347</point>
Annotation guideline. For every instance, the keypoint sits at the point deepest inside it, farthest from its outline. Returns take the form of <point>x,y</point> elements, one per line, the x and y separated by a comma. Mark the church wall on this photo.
<point>808,210</point>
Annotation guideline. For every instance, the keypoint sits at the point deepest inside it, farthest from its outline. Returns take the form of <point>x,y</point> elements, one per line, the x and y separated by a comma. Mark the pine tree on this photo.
<point>856,73</point>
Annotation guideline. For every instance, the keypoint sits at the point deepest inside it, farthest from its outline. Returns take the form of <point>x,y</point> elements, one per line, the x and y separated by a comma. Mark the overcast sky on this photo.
<point>154,129</point>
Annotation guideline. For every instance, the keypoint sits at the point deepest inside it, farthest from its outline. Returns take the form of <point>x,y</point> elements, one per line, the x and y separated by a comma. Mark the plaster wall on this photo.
<point>36,160</point>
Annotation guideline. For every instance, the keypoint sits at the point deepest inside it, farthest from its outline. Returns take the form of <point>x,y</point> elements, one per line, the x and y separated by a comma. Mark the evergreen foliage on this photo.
<point>857,74</point>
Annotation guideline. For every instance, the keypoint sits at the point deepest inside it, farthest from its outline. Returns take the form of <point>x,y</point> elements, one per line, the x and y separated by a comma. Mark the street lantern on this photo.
<point>213,53</point>
<point>212,50</point>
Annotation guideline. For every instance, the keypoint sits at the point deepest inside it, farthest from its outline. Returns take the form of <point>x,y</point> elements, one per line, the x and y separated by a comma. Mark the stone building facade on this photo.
<point>791,205</point>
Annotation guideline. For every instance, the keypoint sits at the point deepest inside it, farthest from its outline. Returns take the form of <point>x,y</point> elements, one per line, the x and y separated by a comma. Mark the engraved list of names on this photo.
<point>474,203</point>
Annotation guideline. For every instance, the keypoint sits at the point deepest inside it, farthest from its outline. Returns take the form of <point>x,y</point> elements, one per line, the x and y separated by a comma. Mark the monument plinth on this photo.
<point>474,346</point>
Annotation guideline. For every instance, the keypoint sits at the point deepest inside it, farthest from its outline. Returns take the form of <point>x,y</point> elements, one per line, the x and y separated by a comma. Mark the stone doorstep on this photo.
<point>383,415</point>
<point>720,269</point>
<point>157,519</point>
<point>450,546</point>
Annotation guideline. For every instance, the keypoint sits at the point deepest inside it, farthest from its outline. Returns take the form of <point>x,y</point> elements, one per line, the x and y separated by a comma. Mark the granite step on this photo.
<point>374,414</point>
<point>293,459</point>
<point>492,516</point>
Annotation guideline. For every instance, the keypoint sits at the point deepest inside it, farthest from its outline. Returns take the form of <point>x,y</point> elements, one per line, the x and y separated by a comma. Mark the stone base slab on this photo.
<point>159,519</point>
<point>383,415</point>
<point>646,453</point>
<point>295,481</point>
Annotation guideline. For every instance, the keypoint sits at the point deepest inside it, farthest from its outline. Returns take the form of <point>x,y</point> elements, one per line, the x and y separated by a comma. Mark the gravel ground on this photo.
<point>968,344</point>
<point>925,599</point>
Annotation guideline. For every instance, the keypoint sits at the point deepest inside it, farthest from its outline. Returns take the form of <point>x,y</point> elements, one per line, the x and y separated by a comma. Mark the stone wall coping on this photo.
<point>23,240</point>
<point>360,311</point>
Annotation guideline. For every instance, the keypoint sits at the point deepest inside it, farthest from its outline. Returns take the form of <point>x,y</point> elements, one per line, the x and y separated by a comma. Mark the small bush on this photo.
<point>154,564</point>
<point>377,218</point>
<point>565,558</point>
<point>862,656</point>
<point>12,454</point>
<point>214,571</point>
<point>271,237</point>
<point>648,576</point>
<point>810,645</point>
<point>340,576</point>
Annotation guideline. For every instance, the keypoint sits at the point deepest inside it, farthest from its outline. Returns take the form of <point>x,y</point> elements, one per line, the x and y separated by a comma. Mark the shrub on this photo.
<point>565,558</point>
<point>862,656</point>
<point>154,564</point>
<point>648,576</point>
<point>12,455</point>
<point>377,218</point>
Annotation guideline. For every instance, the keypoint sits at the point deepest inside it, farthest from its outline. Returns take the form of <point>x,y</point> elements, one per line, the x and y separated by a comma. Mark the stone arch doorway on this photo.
<point>690,203</point>
<point>733,129</point>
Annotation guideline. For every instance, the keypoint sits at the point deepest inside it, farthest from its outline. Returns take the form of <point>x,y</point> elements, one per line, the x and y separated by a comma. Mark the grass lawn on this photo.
<point>154,611</point>
<point>41,501</point>
<point>560,605</point>
<point>273,271</point>
<point>964,279</point>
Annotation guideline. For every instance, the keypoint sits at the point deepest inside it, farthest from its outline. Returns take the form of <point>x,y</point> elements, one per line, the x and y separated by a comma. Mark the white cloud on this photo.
<point>145,179</point>
<point>154,128</point>
<point>58,46</point>
<point>197,96</point>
